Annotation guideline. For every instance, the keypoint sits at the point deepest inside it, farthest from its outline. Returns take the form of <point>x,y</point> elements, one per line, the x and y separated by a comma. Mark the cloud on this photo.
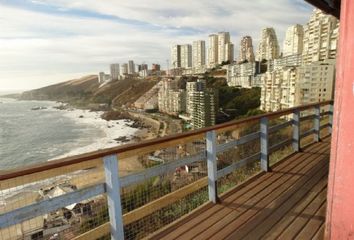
<point>46,41</point>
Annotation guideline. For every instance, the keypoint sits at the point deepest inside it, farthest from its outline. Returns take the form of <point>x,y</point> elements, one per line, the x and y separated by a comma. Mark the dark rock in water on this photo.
<point>38,108</point>
<point>81,116</point>
<point>122,139</point>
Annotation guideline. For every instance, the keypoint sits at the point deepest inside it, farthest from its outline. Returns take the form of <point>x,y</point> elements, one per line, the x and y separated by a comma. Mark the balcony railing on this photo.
<point>88,196</point>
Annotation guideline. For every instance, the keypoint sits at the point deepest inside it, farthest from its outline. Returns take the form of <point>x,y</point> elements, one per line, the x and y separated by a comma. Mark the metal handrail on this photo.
<point>134,146</point>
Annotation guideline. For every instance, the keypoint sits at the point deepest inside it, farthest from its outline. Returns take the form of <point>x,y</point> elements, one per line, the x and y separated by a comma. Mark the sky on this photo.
<point>43,42</point>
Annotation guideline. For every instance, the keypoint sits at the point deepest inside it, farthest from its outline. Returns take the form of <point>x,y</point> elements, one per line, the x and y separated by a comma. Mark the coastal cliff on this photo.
<point>88,92</point>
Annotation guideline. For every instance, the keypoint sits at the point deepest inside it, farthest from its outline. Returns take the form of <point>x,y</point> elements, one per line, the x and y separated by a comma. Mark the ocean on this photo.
<point>30,136</point>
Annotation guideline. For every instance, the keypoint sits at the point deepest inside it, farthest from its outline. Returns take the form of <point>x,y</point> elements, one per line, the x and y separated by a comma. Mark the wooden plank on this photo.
<point>160,169</point>
<point>113,197</point>
<point>279,207</point>
<point>229,169</point>
<point>245,139</point>
<point>298,224</point>
<point>164,201</point>
<point>284,213</point>
<point>264,135</point>
<point>210,223</point>
<point>256,215</point>
<point>46,206</point>
<point>243,210</point>
<point>320,234</point>
<point>273,231</point>
<point>45,175</point>
<point>314,224</point>
<point>212,166</point>
<point>96,233</point>
<point>247,187</point>
<point>280,126</point>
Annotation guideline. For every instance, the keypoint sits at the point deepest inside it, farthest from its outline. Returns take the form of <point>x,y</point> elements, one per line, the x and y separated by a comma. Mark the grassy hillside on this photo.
<point>86,90</point>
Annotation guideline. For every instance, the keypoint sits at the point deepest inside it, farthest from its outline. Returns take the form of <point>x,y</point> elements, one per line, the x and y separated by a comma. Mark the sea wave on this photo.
<point>112,130</point>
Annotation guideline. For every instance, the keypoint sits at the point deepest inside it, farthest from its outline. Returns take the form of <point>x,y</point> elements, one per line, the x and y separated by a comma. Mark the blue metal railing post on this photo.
<point>264,139</point>
<point>212,165</point>
<point>113,197</point>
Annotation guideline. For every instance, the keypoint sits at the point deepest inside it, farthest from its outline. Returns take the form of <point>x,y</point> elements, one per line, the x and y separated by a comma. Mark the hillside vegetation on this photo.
<point>86,90</point>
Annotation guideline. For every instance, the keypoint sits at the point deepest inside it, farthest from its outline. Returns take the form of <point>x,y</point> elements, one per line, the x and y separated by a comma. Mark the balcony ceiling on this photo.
<point>329,6</point>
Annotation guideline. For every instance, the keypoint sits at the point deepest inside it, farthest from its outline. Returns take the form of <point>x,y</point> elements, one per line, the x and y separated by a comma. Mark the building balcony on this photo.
<point>192,185</point>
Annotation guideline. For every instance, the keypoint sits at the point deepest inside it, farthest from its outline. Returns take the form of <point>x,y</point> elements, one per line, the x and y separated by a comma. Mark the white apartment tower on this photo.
<point>316,81</point>
<point>225,47</point>
<point>176,56</point>
<point>131,67</point>
<point>123,69</point>
<point>186,56</point>
<point>246,50</point>
<point>171,100</point>
<point>213,50</point>
<point>293,43</point>
<point>198,53</point>
<point>320,38</point>
<point>115,71</point>
<point>268,48</point>
<point>201,104</point>
<point>280,89</point>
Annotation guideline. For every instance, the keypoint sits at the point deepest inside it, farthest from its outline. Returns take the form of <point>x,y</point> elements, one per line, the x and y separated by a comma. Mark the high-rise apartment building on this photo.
<point>279,89</point>
<point>171,100</point>
<point>142,67</point>
<point>242,75</point>
<point>102,77</point>
<point>225,48</point>
<point>288,61</point>
<point>198,53</point>
<point>202,104</point>
<point>268,47</point>
<point>186,56</point>
<point>124,69</point>
<point>213,50</point>
<point>155,67</point>
<point>320,38</point>
<point>316,81</point>
<point>246,50</point>
<point>176,56</point>
<point>294,38</point>
<point>115,71</point>
<point>131,67</point>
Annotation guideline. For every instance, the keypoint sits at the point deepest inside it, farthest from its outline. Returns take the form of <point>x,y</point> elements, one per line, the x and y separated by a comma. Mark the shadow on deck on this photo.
<point>287,203</point>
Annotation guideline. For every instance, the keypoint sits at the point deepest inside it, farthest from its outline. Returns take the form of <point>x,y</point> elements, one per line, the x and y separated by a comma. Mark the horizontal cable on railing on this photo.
<point>160,169</point>
<point>280,126</point>
<point>325,126</point>
<point>308,117</point>
<point>280,145</point>
<point>308,133</point>
<point>229,169</point>
<point>245,139</point>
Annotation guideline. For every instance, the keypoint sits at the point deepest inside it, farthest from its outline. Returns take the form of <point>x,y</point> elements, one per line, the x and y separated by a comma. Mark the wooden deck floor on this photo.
<point>288,203</point>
